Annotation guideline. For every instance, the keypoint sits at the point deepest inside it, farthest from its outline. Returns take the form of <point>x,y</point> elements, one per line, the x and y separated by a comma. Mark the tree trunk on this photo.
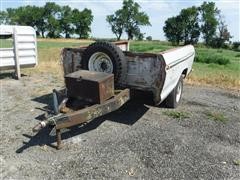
<point>118,37</point>
<point>42,32</point>
<point>67,35</point>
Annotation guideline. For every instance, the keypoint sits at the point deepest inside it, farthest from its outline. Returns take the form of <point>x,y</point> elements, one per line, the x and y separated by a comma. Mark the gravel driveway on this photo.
<point>198,140</point>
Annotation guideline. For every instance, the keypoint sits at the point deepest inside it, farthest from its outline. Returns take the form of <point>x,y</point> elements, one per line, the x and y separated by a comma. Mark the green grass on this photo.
<point>212,59</point>
<point>236,162</point>
<point>149,46</point>
<point>177,114</point>
<point>45,44</point>
<point>6,43</point>
<point>216,116</point>
<point>225,75</point>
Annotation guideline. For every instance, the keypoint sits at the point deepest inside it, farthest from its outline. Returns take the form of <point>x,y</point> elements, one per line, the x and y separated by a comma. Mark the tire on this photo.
<point>174,98</point>
<point>105,57</point>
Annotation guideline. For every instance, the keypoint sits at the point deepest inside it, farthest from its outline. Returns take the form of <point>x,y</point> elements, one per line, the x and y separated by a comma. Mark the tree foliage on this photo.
<point>66,21</point>
<point>209,21</point>
<point>173,30</point>
<point>4,17</point>
<point>222,36</point>
<point>116,22</point>
<point>51,20</point>
<point>128,19</point>
<point>191,22</point>
<point>82,22</point>
<point>184,27</point>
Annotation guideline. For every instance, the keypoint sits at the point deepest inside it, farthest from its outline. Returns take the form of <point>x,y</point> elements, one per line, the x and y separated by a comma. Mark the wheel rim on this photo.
<point>100,62</point>
<point>179,92</point>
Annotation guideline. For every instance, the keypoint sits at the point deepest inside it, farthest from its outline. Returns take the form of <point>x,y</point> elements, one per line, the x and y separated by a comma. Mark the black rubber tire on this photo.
<point>115,53</point>
<point>171,100</point>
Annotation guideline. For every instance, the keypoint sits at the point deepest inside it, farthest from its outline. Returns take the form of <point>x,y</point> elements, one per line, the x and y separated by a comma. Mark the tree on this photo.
<point>191,29</point>
<point>173,30</point>
<point>129,19</point>
<point>26,15</point>
<point>40,24</point>
<point>82,21</point>
<point>133,18</point>
<point>52,16</point>
<point>184,27</point>
<point>117,24</point>
<point>223,35</point>
<point>51,20</point>
<point>66,25</point>
<point>11,14</point>
<point>209,21</point>
<point>4,19</point>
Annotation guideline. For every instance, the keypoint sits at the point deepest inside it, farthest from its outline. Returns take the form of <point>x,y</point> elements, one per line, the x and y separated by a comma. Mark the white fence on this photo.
<point>23,52</point>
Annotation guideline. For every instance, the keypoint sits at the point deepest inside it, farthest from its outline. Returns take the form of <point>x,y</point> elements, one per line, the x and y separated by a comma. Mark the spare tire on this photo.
<point>105,57</point>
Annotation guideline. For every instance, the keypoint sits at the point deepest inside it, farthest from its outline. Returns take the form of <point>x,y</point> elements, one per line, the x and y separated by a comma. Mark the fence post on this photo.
<point>16,57</point>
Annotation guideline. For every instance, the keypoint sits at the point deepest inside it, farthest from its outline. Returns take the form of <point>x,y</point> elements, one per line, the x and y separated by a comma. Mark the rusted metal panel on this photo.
<point>93,87</point>
<point>145,71</point>
<point>150,71</point>
<point>123,45</point>
<point>94,111</point>
<point>71,59</point>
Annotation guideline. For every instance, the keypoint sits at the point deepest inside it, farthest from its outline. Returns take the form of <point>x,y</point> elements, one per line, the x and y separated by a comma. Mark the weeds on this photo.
<point>177,114</point>
<point>236,162</point>
<point>209,58</point>
<point>216,116</point>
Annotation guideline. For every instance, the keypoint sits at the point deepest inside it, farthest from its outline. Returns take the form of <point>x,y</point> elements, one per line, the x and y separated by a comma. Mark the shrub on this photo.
<point>149,38</point>
<point>104,39</point>
<point>236,46</point>
<point>216,59</point>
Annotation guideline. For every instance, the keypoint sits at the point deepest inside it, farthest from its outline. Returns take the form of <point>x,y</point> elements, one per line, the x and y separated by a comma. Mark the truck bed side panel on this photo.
<point>177,60</point>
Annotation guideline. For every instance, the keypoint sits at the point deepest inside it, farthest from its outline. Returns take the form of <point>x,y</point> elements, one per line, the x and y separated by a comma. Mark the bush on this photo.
<point>149,38</point>
<point>236,46</point>
<point>104,39</point>
<point>208,59</point>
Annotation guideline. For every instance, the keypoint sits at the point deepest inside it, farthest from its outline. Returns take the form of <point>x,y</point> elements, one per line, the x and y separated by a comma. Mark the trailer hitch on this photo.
<point>52,121</point>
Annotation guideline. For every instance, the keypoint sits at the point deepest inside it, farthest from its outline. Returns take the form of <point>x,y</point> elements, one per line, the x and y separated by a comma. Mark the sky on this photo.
<point>157,10</point>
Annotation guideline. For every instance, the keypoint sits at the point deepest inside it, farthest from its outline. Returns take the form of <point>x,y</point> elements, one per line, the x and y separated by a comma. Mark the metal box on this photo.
<point>93,87</point>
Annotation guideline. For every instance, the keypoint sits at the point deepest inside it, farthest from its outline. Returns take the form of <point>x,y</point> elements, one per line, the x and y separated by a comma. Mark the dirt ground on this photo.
<point>139,141</point>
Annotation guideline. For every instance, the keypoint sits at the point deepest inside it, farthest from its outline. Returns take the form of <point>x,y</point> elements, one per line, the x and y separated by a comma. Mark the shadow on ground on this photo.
<point>128,114</point>
<point>47,109</point>
<point>8,75</point>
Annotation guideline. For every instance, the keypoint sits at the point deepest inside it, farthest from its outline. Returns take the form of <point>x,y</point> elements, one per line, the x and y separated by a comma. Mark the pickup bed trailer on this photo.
<point>159,73</point>
<point>99,78</point>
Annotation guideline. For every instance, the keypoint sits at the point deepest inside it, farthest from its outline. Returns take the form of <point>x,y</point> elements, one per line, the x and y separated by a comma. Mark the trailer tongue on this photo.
<point>89,95</point>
